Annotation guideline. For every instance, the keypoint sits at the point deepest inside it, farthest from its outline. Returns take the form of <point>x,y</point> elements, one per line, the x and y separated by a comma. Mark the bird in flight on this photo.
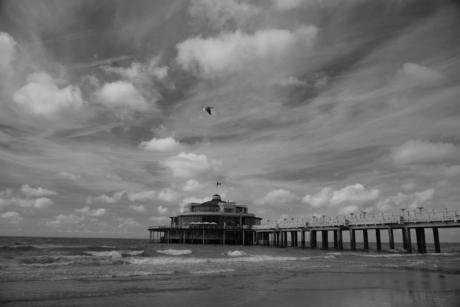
<point>208,109</point>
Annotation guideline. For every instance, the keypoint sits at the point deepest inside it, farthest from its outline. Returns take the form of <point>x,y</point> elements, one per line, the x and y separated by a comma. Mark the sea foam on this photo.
<point>175,252</point>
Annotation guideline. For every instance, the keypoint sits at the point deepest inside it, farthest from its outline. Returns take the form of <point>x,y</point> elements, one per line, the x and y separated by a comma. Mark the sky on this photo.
<point>319,108</point>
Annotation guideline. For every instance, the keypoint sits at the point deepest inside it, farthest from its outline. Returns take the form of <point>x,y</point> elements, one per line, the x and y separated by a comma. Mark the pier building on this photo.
<point>214,221</point>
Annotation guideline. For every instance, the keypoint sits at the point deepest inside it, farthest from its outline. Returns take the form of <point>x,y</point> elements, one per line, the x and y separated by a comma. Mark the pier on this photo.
<point>276,233</point>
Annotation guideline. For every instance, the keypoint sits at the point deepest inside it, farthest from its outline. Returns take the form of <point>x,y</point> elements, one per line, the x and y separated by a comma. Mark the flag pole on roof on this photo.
<point>217,185</point>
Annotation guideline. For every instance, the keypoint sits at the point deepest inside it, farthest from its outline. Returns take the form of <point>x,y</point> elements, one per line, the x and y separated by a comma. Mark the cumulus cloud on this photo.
<point>190,164</point>
<point>42,96</point>
<point>101,199</point>
<point>139,72</point>
<point>7,52</point>
<point>162,145</point>
<point>277,197</point>
<point>142,196</point>
<point>38,203</point>
<point>219,14</point>
<point>406,201</point>
<point>414,74</point>
<point>350,194</point>
<point>192,185</point>
<point>188,200</point>
<point>69,176</point>
<point>122,94</point>
<point>63,219</point>
<point>92,212</point>
<point>32,192</point>
<point>232,52</point>
<point>12,217</point>
<point>127,222</point>
<point>139,208</point>
<point>420,152</point>
<point>162,210</point>
<point>168,195</point>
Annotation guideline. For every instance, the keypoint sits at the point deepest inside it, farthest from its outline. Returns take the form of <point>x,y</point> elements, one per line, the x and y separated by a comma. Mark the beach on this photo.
<point>128,272</point>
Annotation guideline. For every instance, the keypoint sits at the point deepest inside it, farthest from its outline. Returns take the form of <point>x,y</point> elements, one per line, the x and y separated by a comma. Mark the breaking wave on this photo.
<point>175,252</point>
<point>212,271</point>
<point>114,254</point>
<point>235,253</point>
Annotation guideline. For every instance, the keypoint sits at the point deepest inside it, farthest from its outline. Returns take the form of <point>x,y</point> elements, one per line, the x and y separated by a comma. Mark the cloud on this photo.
<point>196,200</point>
<point>92,212</point>
<point>159,219</point>
<point>69,176</point>
<point>414,74</point>
<point>162,210</point>
<point>32,192</point>
<point>42,96</point>
<point>286,5</point>
<point>101,199</point>
<point>122,94</point>
<point>192,185</point>
<point>190,164</point>
<point>162,145</point>
<point>127,222</point>
<point>406,201</point>
<point>421,152</point>
<point>12,217</point>
<point>233,52</point>
<point>168,195</point>
<point>139,208</point>
<point>63,219</point>
<point>38,203</point>
<point>350,194</point>
<point>7,52</point>
<point>277,197</point>
<point>452,171</point>
<point>142,196</point>
<point>220,14</point>
<point>410,186</point>
<point>139,72</point>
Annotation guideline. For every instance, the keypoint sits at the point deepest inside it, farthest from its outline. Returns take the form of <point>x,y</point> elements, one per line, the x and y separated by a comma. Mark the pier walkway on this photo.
<point>276,232</point>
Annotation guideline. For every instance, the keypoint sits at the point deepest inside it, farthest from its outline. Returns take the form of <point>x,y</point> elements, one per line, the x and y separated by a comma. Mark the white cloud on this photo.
<point>219,14</point>
<point>127,222</point>
<point>192,185</point>
<point>277,197</point>
<point>122,94</point>
<point>69,176</point>
<point>62,219</point>
<point>168,195</point>
<point>419,152</point>
<point>190,164</point>
<point>348,209</point>
<point>232,52</point>
<point>159,219</point>
<point>192,200</point>
<point>285,5</point>
<point>410,186</point>
<point>406,201</point>
<point>139,72</point>
<point>42,96</point>
<point>38,203</point>
<point>142,196</point>
<point>350,194</point>
<point>162,145</point>
<point>162,210</point>
<point>101,199</point>
<point>32,192</point>
<point>414,74</point>
<point>7,52</point>
<point>12,217</point>
<point>92,212</point>
<point>139,208</point>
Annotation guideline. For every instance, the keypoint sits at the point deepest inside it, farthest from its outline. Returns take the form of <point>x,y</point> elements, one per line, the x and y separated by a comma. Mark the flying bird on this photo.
<point>208,109</point>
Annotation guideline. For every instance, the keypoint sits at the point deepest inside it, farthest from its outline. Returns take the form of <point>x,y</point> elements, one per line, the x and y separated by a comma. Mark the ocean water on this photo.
<point>114,272</point>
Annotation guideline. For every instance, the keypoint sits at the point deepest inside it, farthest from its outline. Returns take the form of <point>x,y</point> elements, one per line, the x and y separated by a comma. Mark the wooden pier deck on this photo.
<point>276,232</point>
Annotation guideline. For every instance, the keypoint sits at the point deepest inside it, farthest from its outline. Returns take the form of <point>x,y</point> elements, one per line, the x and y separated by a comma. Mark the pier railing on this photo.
<point>363,220</point>
<point>202,226</point>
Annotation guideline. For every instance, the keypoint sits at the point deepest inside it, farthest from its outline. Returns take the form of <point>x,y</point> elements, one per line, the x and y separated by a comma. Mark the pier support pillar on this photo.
<point>421,243</point>
<point>339,239</point>
<point>183,242</point>
<point>366,239</point>
<point>408,239</point>
<point>404,239</point>
<point>352,239</point>
<point>377,238</point>
<point>223,237</point>
<point>203,236</point>
<point>244,237</point>
<point>313,238</point>
<point>391,238</point>
<point>324,239</point>
<point>335,238</point>
<point>253,238</point>
<point>150,236</point>
<point>437,246</point>
<point>302,237</point>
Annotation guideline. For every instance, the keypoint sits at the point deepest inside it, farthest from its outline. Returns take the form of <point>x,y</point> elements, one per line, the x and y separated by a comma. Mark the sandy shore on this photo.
<point>356,286</point>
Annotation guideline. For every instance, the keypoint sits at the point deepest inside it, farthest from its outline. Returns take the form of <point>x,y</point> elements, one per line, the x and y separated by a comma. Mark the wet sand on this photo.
<point>334,286</point>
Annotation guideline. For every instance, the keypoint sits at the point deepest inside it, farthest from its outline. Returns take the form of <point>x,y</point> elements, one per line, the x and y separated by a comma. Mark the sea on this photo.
<point>46,271</point>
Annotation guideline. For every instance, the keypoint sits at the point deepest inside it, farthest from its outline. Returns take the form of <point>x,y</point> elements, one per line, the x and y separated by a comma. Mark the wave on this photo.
<point>401,255</point>
<point>114,254</point>
<point>212,271</point>
<point>235,253</point>
<point>175,252</point>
